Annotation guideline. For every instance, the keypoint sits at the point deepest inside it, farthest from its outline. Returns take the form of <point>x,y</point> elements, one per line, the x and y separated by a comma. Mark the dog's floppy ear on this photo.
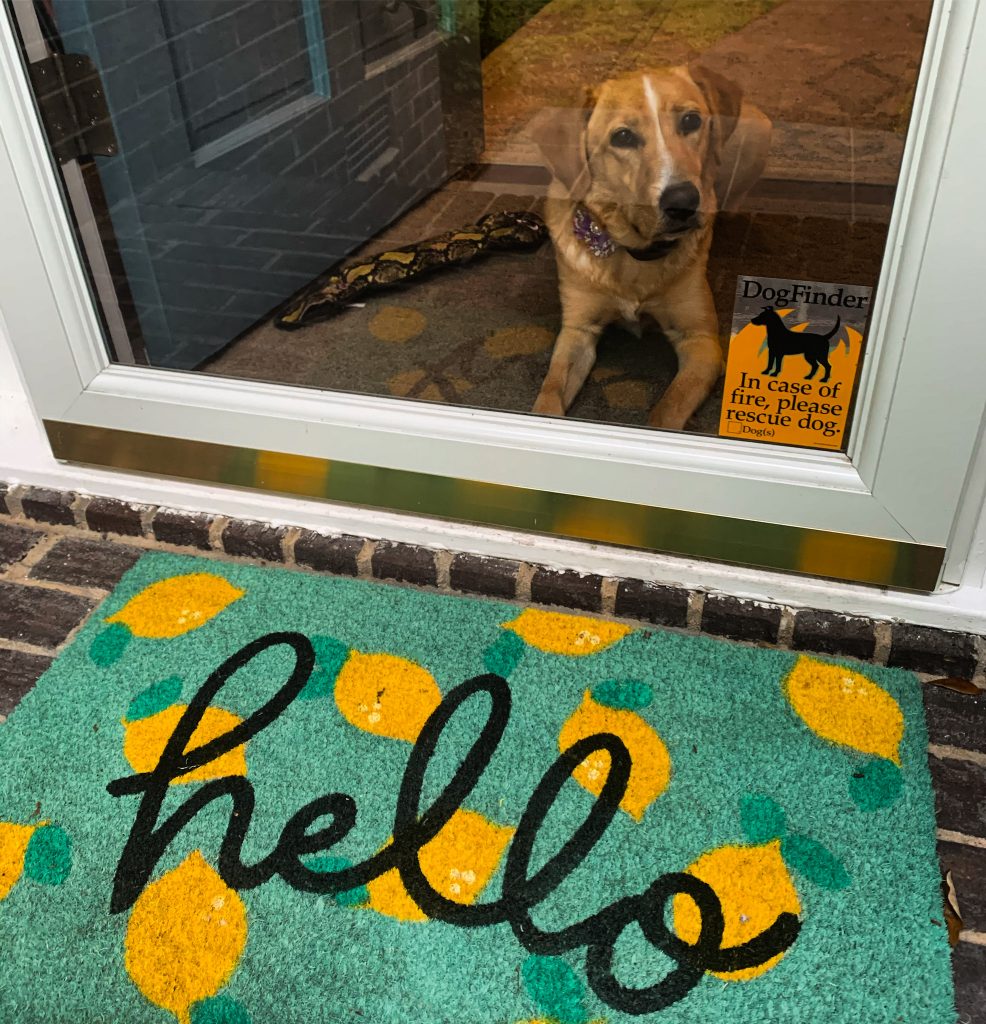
<point>725,98</point>
<point>560,134</point>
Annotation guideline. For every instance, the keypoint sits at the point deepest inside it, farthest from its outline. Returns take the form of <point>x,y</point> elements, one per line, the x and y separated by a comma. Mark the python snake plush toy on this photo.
<point>339,288</point>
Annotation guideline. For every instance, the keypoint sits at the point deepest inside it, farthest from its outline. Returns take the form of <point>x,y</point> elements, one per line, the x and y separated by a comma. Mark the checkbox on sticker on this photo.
<point>733,428</point>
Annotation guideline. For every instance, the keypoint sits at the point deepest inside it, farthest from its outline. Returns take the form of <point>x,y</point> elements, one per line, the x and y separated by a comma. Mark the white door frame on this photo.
<point>35,49</point>
<point>921,399</point>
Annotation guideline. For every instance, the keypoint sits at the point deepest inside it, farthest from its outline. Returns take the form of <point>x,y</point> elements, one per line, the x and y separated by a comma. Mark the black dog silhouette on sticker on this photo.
<point>783,342</point>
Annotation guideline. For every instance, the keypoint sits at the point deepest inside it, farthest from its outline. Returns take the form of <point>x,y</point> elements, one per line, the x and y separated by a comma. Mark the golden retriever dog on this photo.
<point>638,176</point>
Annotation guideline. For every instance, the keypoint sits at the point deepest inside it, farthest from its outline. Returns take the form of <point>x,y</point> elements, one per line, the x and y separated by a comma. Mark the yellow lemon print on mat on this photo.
<point>628,394</point>
<point>845,707</point>
<point>397,324</point>
<point>186,934</point>
<point>753,886</point>
<point>144,740</point>
<point>164,610</point>
<point>523,340</point>
<point>177,605</point>
<point>651,764</point>
<point>558,633</point>
<point>386,695</point>
<point>458,864</point>
<point>13,845</point>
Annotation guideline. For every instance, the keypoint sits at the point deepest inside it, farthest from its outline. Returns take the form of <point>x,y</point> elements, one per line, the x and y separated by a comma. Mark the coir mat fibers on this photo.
<point>256,795</point>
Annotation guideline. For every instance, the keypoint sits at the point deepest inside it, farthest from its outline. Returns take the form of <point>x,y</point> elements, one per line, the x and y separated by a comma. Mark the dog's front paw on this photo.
<point>666,417</point>
<point>548,405</point>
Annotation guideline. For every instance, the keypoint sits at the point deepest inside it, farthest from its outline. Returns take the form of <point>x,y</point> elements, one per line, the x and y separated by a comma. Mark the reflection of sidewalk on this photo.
<point>835,75</point>
<point>799,152</point>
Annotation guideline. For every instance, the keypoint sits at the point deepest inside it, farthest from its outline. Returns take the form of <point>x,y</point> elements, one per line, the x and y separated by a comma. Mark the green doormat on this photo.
<point>258,795</point>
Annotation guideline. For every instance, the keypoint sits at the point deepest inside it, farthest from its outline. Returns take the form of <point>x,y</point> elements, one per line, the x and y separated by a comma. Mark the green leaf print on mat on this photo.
<point>49,856</point>
<point>555,989</point>
<point>155,698</point>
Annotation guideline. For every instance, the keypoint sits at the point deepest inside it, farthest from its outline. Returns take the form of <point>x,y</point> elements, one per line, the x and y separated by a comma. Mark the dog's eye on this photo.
<point>624,138</point>
<point>690,122</point>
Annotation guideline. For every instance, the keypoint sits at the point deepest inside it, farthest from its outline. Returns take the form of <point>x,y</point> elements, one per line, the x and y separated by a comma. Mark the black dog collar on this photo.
<point>654,251</point>
<point>598,241</point>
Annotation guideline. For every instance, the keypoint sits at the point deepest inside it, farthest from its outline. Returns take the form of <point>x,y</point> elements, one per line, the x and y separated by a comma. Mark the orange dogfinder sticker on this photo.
<point>794,352</point>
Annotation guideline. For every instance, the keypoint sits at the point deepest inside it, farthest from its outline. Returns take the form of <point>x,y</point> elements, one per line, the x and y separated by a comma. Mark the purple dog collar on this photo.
<point>596,239</point>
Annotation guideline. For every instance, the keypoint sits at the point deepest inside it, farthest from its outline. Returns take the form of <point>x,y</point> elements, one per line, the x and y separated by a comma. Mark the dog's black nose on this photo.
<point>679,203</point>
